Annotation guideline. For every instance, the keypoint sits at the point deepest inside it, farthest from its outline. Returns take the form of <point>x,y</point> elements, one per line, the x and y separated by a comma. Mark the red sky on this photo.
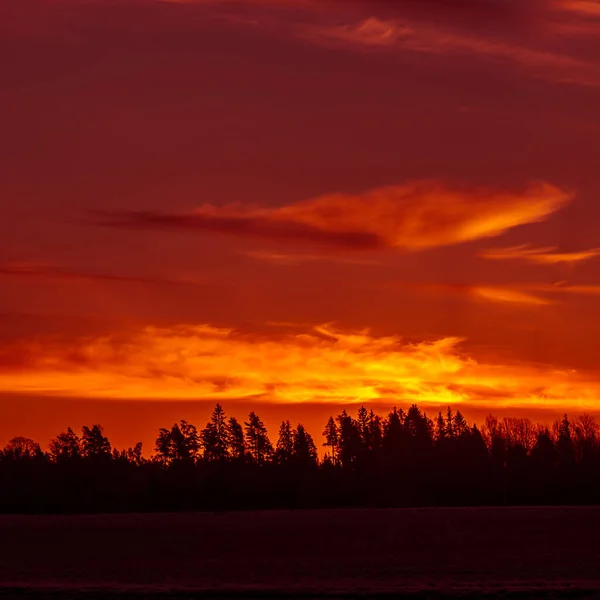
<point>296,206</point>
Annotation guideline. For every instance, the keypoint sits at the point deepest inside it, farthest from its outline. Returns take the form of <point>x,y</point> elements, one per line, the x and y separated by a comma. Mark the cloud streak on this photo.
<point>540,256</point>
<point>401,35</point>
<point>527,295</point>
<point>410,217</point>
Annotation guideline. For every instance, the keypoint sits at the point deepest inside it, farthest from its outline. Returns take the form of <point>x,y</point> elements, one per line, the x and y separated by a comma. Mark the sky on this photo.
<point>296,206</point>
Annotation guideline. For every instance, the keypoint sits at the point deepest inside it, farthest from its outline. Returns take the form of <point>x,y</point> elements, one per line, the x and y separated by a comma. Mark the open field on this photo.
<point>428,553</point>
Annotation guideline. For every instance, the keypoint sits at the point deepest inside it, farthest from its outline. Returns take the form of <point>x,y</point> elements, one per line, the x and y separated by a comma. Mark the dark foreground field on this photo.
<point>431,553</point>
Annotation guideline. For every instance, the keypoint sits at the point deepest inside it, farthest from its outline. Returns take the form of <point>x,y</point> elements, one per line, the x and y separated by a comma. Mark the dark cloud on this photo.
<point>241,226</point>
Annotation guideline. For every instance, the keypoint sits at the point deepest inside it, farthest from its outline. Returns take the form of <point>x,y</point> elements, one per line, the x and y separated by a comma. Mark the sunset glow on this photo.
<point>322,365</point>
<point>298,203</point>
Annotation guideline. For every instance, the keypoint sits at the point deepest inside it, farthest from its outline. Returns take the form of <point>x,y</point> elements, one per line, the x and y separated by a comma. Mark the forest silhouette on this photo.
<point>404,459</point>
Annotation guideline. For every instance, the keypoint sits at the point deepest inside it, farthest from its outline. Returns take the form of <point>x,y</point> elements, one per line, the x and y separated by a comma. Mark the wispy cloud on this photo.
<point>519,295</point>
<point>542,256</point>
<point>412,217</point>
<point>507,294</point>
<point>406,35</point>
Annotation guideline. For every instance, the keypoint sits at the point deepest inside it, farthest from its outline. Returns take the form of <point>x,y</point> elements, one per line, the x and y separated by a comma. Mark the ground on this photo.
<point>420,553</point>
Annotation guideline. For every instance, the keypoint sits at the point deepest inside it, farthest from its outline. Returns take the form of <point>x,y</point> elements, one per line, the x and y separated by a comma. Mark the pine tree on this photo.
<point>394,436</point>
<point>304,449</point>
<point>350,439</point>
<point>235,439</point>
<point>440,428</point>
<point>285,443</point>
<point>258,443</point>
<point>375,436</point>
<point>362,424</point>
<point>461,426</point>
<point>449,423</point>
<point>214,436</point>
<point>332,441</point>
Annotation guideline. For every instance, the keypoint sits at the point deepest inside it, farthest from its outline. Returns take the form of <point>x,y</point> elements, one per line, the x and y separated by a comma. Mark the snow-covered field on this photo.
<point>420,553</point>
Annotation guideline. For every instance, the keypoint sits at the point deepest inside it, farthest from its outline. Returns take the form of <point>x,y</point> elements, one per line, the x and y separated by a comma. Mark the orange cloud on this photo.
<point>512,294</point>
<point>542,256</point>
<point>517,295</point>
<point>320,365</point>
<point>507,295</point>
<point>413,216</point>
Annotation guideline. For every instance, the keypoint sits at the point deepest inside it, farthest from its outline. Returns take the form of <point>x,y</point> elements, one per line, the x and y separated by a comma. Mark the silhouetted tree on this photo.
<point>440,428</point>
<point>449,428</point>
<point>394,437</point>
<point>180,443</point>
<point>401,461</point>
<point>460,425</point>
<point>284,449</point>
<point>65,446</point>
<point>258,444</point>
<point>362,425</point>
<point>350,440</point>
<point>22,448</point>
<point>214,436</point>
<point>134,455</point>
<point>94,444</point>
<point>235,439</point>
<point>332,440</point>
<point>564,442</point>
<point>418,426</point>
<point>303,446</point>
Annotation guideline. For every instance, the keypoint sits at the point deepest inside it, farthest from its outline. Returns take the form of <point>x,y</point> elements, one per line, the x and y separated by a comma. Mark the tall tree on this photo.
<point>375,433</point>
<point>235,439</point>
<point>284,450</point>
<point>440,428</point>
<point>258,444</point>
<point>350,440</point>
<point>449,423</point>
<point>362,425</point>
<point>303,446</point>
<point>214,436</point>
<point>394,436</point>
<point>332,439</point>
<point>460,425</point>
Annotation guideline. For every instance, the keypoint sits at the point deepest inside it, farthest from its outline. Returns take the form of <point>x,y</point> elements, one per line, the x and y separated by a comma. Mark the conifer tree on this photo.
<point>214,436</point>
<point>259,446</point>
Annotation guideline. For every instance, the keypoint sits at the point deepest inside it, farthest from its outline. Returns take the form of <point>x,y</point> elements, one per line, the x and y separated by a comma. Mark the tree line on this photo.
<point>403,459</point>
